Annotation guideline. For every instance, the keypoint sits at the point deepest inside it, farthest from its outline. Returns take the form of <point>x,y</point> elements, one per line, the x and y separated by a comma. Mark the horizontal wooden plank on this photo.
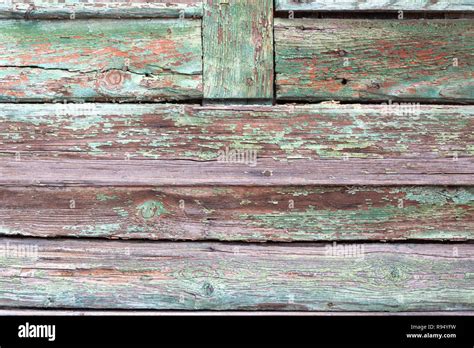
<point>158,313</point>
<point>238,49</point>
<point>60,9</point>
<point>241,214</point>
<point>100,60</point>
<point>374,5</point>
<point>268,172</point>
<point>128,145</point>
<point>191,132</point>
<point>79,274</point>
<point>374,60</point>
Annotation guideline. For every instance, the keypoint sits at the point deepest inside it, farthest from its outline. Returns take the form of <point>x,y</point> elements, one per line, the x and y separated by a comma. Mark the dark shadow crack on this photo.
<point>162,71</point>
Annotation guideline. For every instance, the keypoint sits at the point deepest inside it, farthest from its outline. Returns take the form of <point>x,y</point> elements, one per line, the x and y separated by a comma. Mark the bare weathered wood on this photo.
<point>374,60</point>
<point>57,9</point>
<point>39,273</point>
<point>238,49</point>
<point>147,171</point>
<point>240,214</point>
<point>268,172</point>
<point>374,5</point>
<point>158,313</point>
<point>191,132</point>
<point>100,60</point>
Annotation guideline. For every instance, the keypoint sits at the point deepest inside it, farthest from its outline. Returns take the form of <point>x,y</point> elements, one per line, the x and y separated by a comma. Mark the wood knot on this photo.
<point>395,273</point>
<point>208,289</point>
<point>375,85</point>
<point>112,80</point>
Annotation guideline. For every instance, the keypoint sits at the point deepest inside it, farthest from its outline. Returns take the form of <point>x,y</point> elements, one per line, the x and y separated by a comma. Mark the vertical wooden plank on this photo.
<point>238,49</point>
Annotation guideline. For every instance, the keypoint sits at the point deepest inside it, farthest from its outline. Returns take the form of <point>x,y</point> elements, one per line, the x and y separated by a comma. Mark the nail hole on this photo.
<point>267,172</point>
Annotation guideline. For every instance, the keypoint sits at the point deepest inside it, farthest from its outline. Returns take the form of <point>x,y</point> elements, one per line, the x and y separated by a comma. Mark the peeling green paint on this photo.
<point>94,230</point>
<point>150,209</point>
<point>120,211</point>
<point>103,197</point>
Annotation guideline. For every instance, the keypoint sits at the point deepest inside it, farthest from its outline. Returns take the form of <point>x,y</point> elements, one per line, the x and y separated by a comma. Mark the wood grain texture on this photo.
<point>158,313</point>
<point>137,145</point>
<point>100,60</point>
<point>374,5</point>
<point>238,49</point>
<point>39,273</point>
<point>268,172</point>
<point>224,213</point>
<point>57,9</point>
<point>374,60</point>
<point>195,133</point>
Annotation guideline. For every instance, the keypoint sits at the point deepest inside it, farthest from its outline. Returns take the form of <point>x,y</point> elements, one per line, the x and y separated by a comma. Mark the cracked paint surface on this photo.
<point>60,9</point>
<point>91,60</point>
<point>313,213</point>
<point>382,5</point>
<point>315,132</point>
<point>374,60</point>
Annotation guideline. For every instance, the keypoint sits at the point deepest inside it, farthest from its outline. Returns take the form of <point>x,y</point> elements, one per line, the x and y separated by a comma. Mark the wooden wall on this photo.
<point>237,155</point>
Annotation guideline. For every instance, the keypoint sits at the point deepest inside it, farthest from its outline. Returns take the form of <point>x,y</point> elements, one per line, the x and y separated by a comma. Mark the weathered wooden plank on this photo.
<point>78,274</point>
<point>238,49</point>
<point>268,172</point>
<point>240,214</point>
<point>57,9</point>
<point>191,132</point>
<point>92,144</point>
<point>374,5</point>
<point>374,60</point>
<point>159,313</point>
<point>151,60</point>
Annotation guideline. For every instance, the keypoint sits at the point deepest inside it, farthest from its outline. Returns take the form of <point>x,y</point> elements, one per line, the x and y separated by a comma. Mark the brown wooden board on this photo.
<point>374,60</point>
<point>191,132</point>
<point>256,214</point>
<point>78,274</point>
<point>374,5</point>
<point>268,172</point>
<point>136,145</point>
